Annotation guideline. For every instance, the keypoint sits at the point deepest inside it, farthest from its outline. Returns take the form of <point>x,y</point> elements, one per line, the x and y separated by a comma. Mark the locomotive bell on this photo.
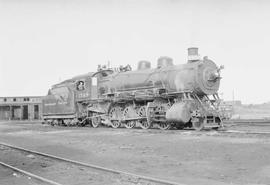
<point>193,54</point>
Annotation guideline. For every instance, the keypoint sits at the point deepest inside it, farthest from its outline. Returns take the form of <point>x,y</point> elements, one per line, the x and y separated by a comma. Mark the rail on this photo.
<point>42,179</point>
<point>118,172</point>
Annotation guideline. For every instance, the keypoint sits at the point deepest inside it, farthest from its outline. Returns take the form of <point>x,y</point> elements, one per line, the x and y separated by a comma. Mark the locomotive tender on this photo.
<point>167,96</point>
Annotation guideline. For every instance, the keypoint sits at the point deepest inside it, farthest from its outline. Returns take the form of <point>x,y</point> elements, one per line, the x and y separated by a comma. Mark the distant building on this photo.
<point>236,102</point>
<point>20,108</point>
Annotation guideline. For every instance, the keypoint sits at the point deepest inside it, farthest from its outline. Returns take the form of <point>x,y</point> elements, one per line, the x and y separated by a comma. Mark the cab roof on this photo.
<point>73,79</point>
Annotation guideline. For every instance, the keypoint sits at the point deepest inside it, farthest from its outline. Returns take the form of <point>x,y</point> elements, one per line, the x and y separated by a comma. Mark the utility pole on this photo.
<point>233,97</point>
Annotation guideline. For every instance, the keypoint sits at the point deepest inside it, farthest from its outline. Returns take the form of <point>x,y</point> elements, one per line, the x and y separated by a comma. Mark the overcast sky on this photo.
<point>43,42</point>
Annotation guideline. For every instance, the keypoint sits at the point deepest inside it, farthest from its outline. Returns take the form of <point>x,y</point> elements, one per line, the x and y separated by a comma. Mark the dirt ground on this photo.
<point>187,156</point>
<point>59,171</point>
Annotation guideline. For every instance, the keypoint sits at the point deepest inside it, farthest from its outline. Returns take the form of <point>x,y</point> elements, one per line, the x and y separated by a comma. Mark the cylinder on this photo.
<point>179,113</point>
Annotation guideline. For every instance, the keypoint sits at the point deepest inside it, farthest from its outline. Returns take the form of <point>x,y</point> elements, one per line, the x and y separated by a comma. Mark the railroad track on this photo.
<point>138,178</point>
<point>248,126</point>
<point>245,132</point>
<point>255,122</point>
<point>28,174</point>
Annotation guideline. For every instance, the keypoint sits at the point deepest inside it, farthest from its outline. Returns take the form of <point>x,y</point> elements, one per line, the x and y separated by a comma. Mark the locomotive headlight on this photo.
<point>214,76</point>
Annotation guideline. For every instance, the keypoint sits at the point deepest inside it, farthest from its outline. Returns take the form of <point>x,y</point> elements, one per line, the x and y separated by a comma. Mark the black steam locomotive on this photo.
<point>166,96</point>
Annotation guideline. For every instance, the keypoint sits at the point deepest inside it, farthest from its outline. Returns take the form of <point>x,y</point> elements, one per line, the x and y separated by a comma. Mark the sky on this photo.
<point>43,42</point>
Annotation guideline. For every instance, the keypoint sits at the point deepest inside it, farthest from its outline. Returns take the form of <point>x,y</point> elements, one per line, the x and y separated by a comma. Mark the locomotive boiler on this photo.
<point>166,96</point>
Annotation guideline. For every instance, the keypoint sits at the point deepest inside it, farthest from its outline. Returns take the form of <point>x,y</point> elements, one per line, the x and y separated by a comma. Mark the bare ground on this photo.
<point>187,157</point>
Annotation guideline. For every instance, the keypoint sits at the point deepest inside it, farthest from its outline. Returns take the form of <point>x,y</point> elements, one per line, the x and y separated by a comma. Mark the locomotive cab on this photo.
<point>66,102</point>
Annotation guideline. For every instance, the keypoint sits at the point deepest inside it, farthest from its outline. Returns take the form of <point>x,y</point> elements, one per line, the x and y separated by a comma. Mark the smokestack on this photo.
<point>193,54</point>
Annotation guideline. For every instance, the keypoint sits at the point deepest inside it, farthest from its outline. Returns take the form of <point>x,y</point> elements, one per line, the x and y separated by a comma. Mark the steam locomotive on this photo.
<point>166,96</point>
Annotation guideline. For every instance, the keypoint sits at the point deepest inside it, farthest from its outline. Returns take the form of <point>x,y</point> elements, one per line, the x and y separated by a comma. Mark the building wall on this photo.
<point>4,112</point>
<point>20,108</point>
